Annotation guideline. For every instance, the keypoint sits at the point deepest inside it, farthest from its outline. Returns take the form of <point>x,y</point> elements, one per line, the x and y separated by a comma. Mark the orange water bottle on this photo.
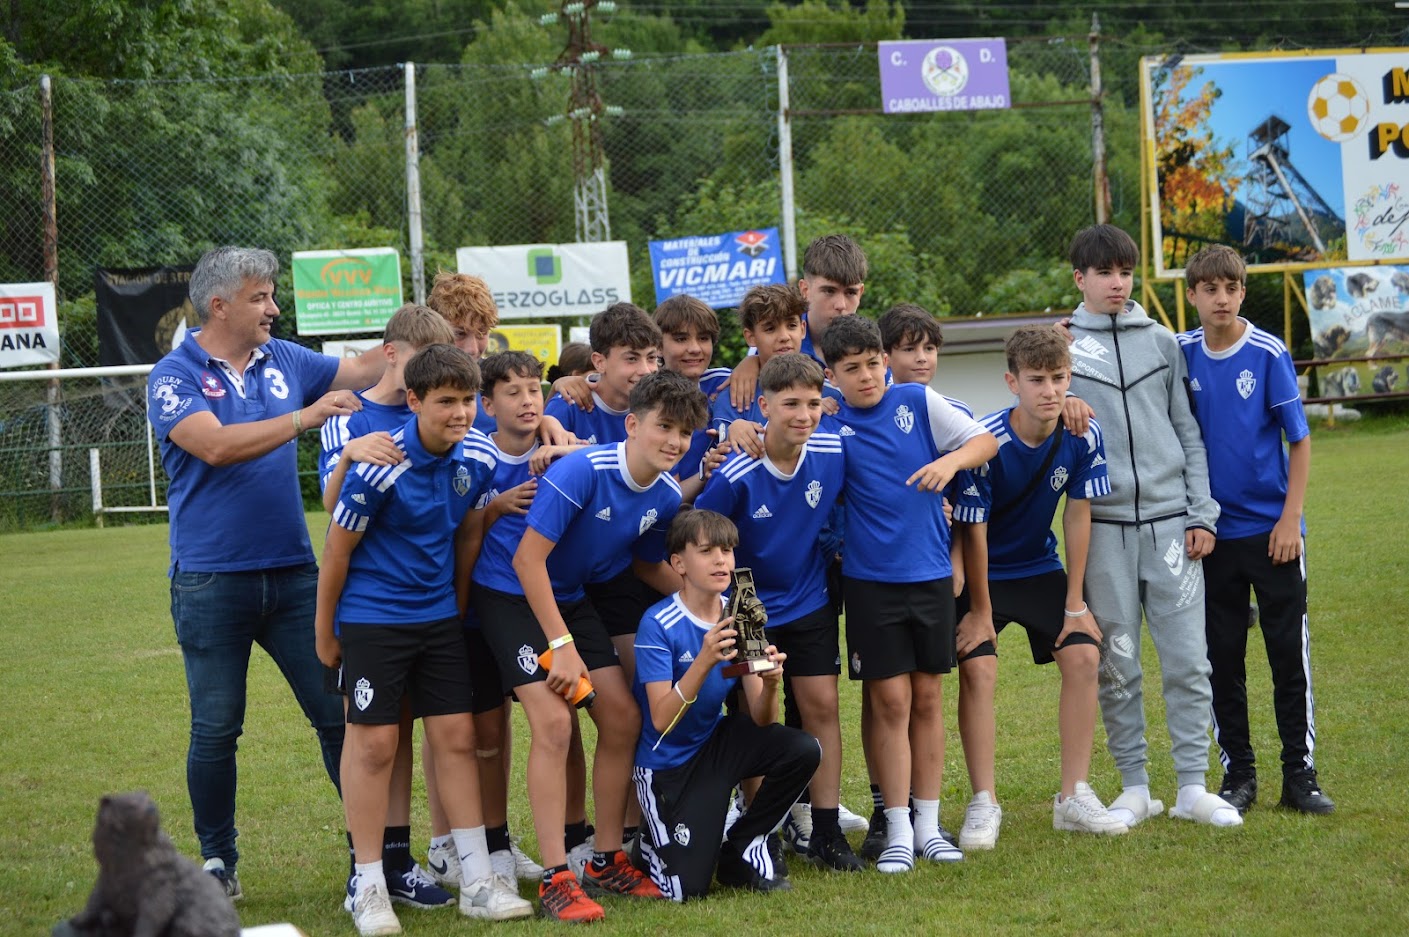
<point>582,696</point>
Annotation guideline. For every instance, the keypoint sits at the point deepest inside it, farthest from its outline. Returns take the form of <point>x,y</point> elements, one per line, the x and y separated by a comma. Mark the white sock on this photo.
<point>474,854</point>
<point>1128,816</point>
<point>367,875</point>
<point>926,821</point>
<point>1189,795</point>
<point>898,829</point>
<point>438,841</point>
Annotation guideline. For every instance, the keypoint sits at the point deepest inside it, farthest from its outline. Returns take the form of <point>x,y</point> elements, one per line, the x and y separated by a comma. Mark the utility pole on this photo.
<point>580,60</point>
<point>1101,181</point>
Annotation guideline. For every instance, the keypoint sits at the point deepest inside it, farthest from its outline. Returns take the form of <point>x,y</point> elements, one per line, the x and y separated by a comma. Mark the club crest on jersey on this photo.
<point>813,494</point>
<point>682,834</point>
<point>211,386</point>
<point>462,480</point>
<point>648,520</point>
<point>1059,478</point>
<point>904,418</point>
<point>1246,383</point>
<point>362,693</point>
<point>855,662</point>
<point>528,659</point>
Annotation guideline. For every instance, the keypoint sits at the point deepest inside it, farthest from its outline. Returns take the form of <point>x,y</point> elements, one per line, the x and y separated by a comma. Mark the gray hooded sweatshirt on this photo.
<point>1130,370</point>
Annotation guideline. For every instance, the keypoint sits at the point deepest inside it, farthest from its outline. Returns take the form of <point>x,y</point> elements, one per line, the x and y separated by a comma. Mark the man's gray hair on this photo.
<point>222,271</point>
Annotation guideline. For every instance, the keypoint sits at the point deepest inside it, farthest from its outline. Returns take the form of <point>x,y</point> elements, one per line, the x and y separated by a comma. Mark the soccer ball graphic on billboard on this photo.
<point>1339,108</point>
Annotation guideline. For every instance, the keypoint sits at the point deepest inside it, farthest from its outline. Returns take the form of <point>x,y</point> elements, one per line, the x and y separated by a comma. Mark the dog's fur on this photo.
<point>1323,293</point>
<point>1400,281</point>
<point>1331,341</point>
<point>1342,382</point>
<point>146,888</point>
<point>1383,327</point>
<point>1359,284</point>
<point>1384,380</point>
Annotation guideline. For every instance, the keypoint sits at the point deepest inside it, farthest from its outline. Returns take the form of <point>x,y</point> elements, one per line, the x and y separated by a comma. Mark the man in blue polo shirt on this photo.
<point>227,406</point>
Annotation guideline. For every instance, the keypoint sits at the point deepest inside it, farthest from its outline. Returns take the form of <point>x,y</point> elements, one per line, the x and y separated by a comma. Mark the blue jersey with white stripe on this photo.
<point>495,566</point>
<point>338,431</point>
<point>896,532</point>
<point>714,383</point>
<point>1246,399</point>
<point>667,643</point>
<point>402,570</point>
<point>780,517</point>
<point>1020,540</point>
<point>597,426</point>
<point>249,515</point>
<point>599,518</point>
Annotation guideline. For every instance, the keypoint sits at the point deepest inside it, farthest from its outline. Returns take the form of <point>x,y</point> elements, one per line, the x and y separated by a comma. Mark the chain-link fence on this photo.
<point>961,212</point>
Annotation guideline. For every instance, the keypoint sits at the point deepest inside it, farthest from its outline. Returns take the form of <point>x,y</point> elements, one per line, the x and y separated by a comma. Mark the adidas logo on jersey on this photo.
<point>360,498</point>
<point>1194,384</point>
<point>605,514</point>
<point>686,658</point>
<point>762,512</point>
<point>971,491</point>
<point>1099,460</point>
<point>847,431</point>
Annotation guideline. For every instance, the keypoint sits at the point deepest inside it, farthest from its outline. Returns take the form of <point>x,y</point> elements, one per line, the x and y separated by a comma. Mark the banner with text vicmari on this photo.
<point>717,268</point>
<point>540,280</point>
<point>346,290</point>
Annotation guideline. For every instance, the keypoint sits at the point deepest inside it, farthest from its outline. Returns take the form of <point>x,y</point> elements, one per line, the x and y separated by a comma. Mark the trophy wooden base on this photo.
<point>756,666</point>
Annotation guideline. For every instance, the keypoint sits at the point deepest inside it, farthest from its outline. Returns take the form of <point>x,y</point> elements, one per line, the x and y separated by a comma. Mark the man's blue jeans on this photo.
<point>218,617</point>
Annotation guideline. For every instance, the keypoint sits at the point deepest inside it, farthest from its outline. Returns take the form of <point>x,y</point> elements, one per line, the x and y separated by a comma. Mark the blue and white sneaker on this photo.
<point>416,889</point>
<point>229,881</point>
<point>797,828</point>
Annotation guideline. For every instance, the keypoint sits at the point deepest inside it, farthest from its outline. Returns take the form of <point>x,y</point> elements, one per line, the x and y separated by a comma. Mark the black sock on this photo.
<point>824,821</point>
<point>877,801</point>
<point>628,833</point>
<point>600,860</point>
<point>351,855</point>
<point>497,837</point>
<point>549,873</point>
<point>396,849</point>
<point>575,834</point>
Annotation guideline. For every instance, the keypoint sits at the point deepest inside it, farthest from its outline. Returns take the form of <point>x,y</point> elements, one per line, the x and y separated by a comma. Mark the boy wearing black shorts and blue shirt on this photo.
<point>593,512</point>
<point>690,755</point>
<point>1246,399</point>
<point>780,504</point>
<point>388,614</point>
<point>897,575</point>
<point>1006,507</point>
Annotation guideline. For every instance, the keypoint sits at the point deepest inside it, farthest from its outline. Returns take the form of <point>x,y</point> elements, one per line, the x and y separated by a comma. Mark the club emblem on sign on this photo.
<point>813,493</point>
<point>1059,478</point>
<point>648,520</point>
<point>462,480</point>
<point>362,693</point>
<point>904,418</point>
<point>1246,383</point>
<point>682,834</point>
<point>528,660</point>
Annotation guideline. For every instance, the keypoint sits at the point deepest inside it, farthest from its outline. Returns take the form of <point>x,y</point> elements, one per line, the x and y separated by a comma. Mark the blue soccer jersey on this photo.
<point>495,567</point>
<point>666,645</point>
<point>896,532</point>
<point>280,378</point>
<point>1246,399</point>
<point>1020,538</point>
<point>723,412</point>
<point>338,431</point>
<point>597,426</point>
<point>485,423</point>
<point>780,519</point>
<point>713,384</point>
<point>599,518</point>
<point>402,570</point>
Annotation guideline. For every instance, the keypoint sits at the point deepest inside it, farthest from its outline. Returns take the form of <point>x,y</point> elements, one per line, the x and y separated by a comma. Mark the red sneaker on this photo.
<point>620,877</point>
<point>562,899</point>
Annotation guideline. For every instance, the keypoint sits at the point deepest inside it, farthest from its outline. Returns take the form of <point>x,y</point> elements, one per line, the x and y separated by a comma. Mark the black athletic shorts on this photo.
<point>484,672</point>
<point>894,628</point>
<point>514,635</point>
<point>382,663</point>
<point>811,643</point>
<point>621,601</point>
<point>1038,603</point>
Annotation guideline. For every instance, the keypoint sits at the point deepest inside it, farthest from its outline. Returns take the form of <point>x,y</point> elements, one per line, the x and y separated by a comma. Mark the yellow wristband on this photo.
<point>556,643</point>
<point>298,422</point>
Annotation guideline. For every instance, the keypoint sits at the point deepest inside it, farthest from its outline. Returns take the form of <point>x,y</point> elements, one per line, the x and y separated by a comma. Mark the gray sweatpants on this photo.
<point>1146,566</point>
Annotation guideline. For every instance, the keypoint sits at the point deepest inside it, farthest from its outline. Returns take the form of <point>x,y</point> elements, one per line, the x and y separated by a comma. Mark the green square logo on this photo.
<point>545,266</point>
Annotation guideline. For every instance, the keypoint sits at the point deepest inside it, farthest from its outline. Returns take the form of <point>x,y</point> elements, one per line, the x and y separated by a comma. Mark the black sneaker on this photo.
<point>737,872</point>
<point>875,840</point>
<point>832,851</point>
<point>1302,793</point>
<point>1239,788</point>
<point>775,851</point>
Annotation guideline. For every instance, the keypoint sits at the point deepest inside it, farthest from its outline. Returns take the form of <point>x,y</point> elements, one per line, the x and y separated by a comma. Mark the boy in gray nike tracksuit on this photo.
<point>1150,533</point>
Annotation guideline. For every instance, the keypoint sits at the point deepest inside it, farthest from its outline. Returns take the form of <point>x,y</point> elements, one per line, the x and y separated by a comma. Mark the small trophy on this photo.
<point>749,619</point>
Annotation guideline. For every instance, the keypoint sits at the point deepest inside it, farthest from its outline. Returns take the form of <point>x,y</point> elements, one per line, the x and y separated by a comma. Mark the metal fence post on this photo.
<point>785,166</point>
<point>413,190</point>
<point>1101,182</point>
<point>53,419</point>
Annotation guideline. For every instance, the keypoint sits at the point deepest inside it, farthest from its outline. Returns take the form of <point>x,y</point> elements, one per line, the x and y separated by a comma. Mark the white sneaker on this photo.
<point>493,899</point>
<point>797,828</point>
<point>850,822</point>
<point>580,855</point>
<point>525,869</point>
<point>443,864</point>
<point>736,810</point>
<point>1083,812</point>
<point>372,913</point>
<point>982,819</point>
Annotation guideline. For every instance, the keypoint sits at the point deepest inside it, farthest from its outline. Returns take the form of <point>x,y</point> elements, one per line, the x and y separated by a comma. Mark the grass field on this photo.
<point>93,700</point>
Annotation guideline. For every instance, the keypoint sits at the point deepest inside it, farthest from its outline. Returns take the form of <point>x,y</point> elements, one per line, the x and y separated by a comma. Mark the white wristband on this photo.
<point>1070,614</point>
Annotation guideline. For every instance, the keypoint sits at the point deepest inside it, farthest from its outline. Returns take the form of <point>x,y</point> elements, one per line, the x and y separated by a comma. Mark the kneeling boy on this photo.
<point>690,755</point>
